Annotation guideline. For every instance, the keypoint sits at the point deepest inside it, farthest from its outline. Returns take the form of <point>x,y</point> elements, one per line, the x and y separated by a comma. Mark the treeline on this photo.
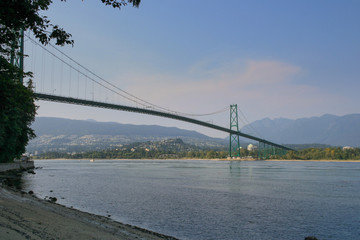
<point>333,153</point>
<point>137,154</point>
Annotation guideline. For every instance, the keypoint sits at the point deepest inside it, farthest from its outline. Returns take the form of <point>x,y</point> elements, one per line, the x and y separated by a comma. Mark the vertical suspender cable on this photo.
<point>78,77</point>
<point>69,81</point>
<point>61,77</point>
<point>52,75</point>
<point>85,87</point>
<point>43,70</point>
<point>93,93</point>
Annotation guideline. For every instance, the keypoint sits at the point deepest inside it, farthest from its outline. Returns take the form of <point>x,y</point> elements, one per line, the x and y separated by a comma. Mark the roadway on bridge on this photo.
<point>53,98</point>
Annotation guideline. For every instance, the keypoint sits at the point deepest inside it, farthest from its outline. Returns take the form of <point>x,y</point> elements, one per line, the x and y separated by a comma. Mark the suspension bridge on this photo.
<point>59,78</point>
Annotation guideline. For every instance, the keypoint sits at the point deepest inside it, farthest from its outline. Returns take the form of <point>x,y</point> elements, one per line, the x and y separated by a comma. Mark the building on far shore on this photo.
<point>347,148</point>
<point>24,163</point>
<point>251,147</point>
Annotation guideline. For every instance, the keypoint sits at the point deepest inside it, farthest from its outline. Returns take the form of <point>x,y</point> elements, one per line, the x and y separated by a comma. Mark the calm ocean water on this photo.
<point>211,199</point>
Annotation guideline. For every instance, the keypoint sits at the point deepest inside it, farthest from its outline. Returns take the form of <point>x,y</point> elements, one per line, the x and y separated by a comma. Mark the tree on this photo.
<point>17,112</point>
<point>17,105</point>
<point>210,154</point>
<point>24,14</point>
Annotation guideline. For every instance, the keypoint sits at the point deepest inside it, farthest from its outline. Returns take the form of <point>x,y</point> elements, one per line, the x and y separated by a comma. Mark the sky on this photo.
<point>279,58</point>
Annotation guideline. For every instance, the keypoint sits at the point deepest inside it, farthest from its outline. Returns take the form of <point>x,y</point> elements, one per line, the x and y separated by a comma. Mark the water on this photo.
<point>211,199</point>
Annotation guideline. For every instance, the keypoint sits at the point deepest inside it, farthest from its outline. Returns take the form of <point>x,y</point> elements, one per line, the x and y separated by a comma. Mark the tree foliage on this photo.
<point>138,154</point>
<point>17,112</point>
<point>26,14</point>
<point>331,153</point>
<point>334,153</point>
<point>17,106</point>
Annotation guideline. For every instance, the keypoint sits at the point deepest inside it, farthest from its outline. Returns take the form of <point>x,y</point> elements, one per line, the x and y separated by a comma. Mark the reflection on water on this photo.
<point>212,199</point>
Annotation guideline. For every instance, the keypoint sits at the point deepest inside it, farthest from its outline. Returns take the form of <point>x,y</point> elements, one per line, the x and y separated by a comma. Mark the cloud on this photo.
<point>261,88</point>
<point>222,82</point>
<point>268,72</point>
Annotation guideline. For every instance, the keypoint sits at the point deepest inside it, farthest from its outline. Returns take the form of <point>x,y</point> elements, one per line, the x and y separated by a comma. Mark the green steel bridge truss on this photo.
<point>234,146</point>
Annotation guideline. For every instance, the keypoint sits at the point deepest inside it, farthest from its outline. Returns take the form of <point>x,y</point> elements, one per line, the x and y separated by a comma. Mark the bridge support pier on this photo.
<point>265,151</point>
<point>234,148</point>
<point>17,58</point>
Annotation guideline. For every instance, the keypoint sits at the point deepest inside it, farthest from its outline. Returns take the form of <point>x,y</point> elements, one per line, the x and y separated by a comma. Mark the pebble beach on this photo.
<point>23,216</point>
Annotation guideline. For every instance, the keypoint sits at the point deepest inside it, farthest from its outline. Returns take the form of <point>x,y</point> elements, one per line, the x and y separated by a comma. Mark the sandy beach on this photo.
<point>24,216</point>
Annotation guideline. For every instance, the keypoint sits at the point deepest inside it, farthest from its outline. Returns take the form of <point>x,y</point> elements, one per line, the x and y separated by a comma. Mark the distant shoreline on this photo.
<point>320,160</point>
<point>201,159</point>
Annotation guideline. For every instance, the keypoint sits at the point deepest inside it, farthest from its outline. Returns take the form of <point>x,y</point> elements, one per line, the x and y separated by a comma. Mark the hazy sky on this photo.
<point>274,58</point>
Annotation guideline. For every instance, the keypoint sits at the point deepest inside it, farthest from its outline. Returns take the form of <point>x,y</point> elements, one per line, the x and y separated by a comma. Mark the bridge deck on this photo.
<point>61,99</point>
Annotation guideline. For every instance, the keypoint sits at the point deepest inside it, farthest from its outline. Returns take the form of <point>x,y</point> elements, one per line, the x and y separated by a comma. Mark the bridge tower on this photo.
<point>17,58</point>
<point>234,148</point>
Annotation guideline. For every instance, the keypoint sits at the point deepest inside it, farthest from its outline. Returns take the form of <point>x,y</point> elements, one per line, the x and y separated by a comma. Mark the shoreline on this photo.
<point>201,159</point>
<point>319,160</point>
<point>24,216</point>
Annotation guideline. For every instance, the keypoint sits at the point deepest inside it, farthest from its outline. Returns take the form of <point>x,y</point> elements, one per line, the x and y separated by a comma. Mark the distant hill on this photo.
<point>59,134</point>
<point>327,129</point>
<point>173,145</point>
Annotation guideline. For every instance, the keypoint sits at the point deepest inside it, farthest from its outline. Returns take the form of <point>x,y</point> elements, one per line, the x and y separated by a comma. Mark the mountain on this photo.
<point>59,134</point>
<point>327,129</point>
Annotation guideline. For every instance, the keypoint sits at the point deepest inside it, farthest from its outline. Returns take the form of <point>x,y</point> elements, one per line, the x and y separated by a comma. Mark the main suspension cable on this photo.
<point>142,100</point>
<point>138,100</point>
<point>249,125</point>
